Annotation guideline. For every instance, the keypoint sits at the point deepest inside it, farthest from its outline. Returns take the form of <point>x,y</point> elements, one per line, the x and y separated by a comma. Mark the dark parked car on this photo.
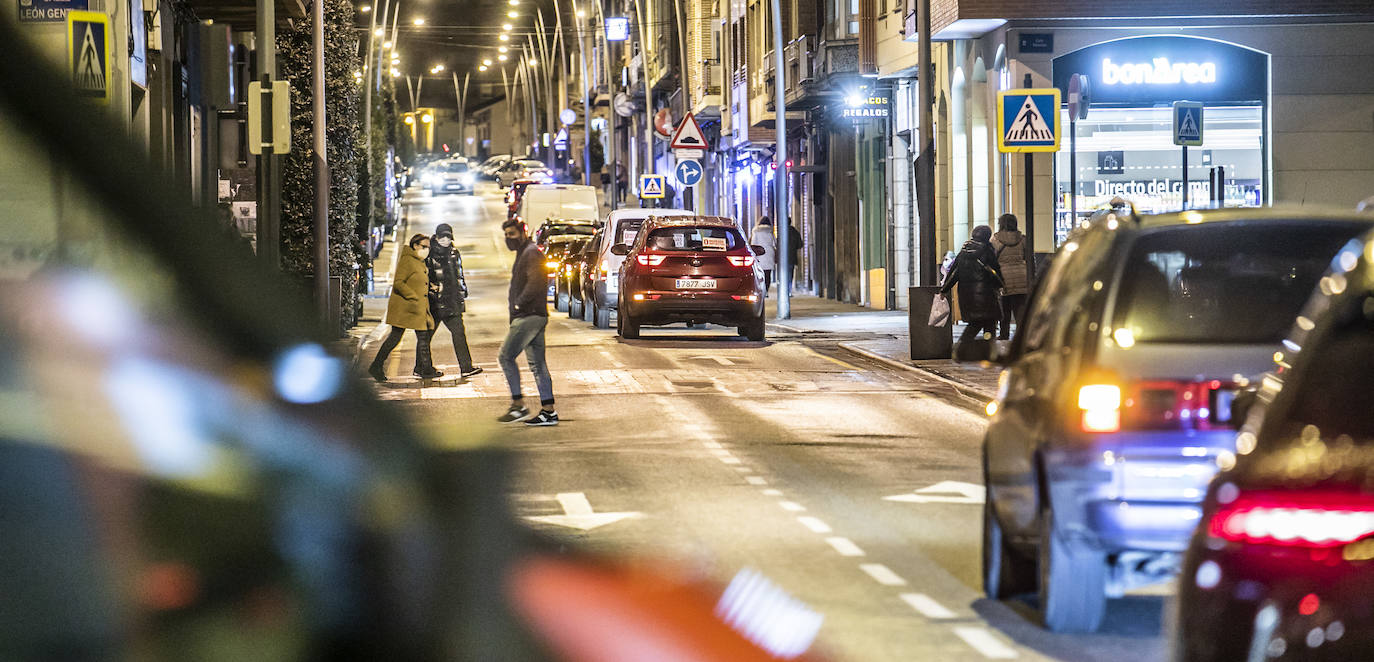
<point>1282,563</point>
<point>692,269</point>
<point>1115,406</point>
<point>581,269</point>
<point>565,254</point>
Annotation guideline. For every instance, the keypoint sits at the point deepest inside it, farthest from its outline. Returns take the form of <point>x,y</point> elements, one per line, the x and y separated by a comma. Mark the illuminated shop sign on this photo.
<point>865,104</point>
<point>1152,71</point>
<point>1159,72</point>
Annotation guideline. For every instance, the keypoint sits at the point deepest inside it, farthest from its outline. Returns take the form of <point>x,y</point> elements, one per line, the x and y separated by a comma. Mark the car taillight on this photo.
<point>741,260</point>
<point>605,269</point>
<point>552,264</point>
<point>1295,519</point>
<point>650,260</point>
<point>1101,407</point>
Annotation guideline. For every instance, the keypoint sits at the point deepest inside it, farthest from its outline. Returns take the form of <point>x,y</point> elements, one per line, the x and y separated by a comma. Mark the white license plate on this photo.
<point>695,283</point>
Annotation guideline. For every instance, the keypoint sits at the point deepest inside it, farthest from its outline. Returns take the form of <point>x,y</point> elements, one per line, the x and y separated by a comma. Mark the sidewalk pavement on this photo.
<point>882,335</point>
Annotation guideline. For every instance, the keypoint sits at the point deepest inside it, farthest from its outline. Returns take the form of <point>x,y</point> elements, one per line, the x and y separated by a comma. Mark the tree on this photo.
<point>343,142</point>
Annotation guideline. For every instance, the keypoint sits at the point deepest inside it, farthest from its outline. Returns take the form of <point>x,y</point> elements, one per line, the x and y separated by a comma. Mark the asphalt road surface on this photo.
<point>699,448</point>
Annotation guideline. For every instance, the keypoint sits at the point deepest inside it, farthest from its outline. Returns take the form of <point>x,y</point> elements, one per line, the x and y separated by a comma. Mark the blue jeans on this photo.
<point>527,335</point>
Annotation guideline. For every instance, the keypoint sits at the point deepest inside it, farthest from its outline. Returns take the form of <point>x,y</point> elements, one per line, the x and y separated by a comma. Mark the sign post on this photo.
<point>1187,131</point>
<point>1028,122</point>
<point>1078,109</point>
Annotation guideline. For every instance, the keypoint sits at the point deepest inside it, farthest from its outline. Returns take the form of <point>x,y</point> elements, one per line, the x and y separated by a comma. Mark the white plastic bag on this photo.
<point>939,310</point>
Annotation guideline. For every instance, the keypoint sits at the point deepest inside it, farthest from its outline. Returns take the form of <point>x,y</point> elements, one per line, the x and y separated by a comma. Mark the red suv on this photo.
<point>690,269</point>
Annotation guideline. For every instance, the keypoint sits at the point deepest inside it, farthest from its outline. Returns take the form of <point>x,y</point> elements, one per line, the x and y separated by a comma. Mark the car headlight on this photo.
<point>467,178</point>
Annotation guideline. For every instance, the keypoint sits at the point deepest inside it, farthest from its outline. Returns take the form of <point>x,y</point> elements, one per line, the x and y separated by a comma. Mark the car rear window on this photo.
<point>694,239</point>
<point>627,230</point>
<point>1232,283</point>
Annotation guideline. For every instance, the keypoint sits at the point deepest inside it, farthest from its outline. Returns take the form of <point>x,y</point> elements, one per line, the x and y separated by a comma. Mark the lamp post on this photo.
<point>648,90</point>
<point>462,98</point>
<point>784,220</point>
<point>321,159</point>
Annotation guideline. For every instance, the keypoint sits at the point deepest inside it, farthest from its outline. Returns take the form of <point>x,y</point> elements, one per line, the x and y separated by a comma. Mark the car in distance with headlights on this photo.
<point>1114,409</point>
<point>693,269</point>
<point>524,169</point>
<point>1282,563</point>
<point>450,176</point>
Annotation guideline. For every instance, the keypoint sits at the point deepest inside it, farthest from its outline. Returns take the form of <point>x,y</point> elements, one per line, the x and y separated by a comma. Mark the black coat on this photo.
<point>529,283</point>
<point>975,272</point>
<point>446,271</point>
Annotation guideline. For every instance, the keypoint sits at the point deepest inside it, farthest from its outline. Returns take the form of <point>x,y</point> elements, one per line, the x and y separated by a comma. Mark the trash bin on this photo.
<point>927,342</point>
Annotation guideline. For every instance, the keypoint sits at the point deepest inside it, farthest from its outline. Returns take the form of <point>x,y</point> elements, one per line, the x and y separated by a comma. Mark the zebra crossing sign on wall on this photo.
<point>88,54</point>
<point>1028,120</point>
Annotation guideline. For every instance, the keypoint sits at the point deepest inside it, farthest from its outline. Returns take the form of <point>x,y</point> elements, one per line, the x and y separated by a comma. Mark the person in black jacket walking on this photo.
<point>529,315</point>
<point>975,272</point>
<point>447,292</point>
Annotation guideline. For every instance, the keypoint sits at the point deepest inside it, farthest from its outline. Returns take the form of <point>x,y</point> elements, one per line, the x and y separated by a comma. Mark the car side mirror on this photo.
<point>620,249</point>
<point>758,250</point>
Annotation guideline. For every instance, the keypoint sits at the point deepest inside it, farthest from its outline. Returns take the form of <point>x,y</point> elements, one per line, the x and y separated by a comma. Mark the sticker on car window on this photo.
<point>629,236</point>
<point>713,243</point>
<point>679,240</point>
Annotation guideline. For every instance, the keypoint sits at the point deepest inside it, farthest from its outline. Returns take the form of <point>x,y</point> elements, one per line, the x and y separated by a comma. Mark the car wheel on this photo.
<point>560,299</point>
<point>1073,578</point>
<point>574,308</point>
<point>629,327</point>
<point>1005,573</point>
<point>753,329</point>
<point>601,316</point>
<point>587,304</point>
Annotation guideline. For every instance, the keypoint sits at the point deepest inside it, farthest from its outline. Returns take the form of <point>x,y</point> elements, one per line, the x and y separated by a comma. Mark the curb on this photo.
<point>962,388</point>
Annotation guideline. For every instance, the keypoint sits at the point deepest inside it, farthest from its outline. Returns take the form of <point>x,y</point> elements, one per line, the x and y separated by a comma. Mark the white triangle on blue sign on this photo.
<point>652,187</point>
<point>1187,127</point>
<point>1029,125</point>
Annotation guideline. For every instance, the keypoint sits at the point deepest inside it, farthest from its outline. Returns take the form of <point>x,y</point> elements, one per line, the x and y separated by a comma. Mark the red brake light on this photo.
<point>650,260</point>
<point>1313,520</point>
<point>741,261</point>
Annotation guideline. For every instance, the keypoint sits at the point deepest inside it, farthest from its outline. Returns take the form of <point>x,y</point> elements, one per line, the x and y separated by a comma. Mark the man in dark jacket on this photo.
<point>447,292</point>
<point>529,315</point>
<point>975,272</point>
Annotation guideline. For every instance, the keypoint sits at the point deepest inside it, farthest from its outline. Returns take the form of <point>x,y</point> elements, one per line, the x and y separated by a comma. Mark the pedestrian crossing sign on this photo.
<point>88,54</point>
<point>1188,123</point>
<point>651,186</point>
<point>1028,120</point>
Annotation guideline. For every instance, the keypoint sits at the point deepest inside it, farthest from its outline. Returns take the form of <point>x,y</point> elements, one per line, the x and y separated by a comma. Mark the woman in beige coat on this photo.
<point>408,308</point>
<point>1010,246</point>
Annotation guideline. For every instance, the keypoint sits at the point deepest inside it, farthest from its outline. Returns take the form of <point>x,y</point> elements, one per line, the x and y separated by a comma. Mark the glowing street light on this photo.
<point>410,119</point>
<point>419,21</point>
<point>533,62</point>
<point>365,8</point>
<point>581,13</point>
<point>438,68</point>
<point>515,3</point>
<point>507,27</point>
<point>503,49</point>
<point>379,32</point>
<point>482,68</point>
<point>513,14</point>
<point>504,37</point>
<point>502,58</point>
<point>387,44</point>
<point>487,62</point>
<point>426,118</point>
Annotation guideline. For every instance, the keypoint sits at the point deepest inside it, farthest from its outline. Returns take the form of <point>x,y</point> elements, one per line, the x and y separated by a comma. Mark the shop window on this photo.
<point>1129,152</point>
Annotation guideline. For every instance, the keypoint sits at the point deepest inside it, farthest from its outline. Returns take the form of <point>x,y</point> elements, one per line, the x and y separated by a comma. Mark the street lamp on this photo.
<point>365,8</point>
<point>482,68</point>
<point>503,49</point>
<point>486,62</point>
<point>419,21</point>
<point>504,37</point>
<point>507,27</point>
<point>410,119</point>
<point>515,3</point>
<point>427,118</point>
<point>502,57</point>
<point>513,14</point>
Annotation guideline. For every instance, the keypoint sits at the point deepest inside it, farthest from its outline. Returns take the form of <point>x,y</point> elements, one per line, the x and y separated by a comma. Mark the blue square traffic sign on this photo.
<point>1187,123</point>
<point>1028,120</point>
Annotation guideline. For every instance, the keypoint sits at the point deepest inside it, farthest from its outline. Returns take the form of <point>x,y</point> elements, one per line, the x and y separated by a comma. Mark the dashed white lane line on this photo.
<point>845,546</point>
<point>755,480</point>
<point>882,574</point>
<point>792,506</point>
<point>927,606</point>
<point>772,492</point>
<point>814,524</point>
<point>982,641</point>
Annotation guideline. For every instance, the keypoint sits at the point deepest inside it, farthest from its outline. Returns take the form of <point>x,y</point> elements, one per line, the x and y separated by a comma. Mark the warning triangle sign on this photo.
<point>1187,127</point>
<point>688,134</point>
<point>1029,125</point>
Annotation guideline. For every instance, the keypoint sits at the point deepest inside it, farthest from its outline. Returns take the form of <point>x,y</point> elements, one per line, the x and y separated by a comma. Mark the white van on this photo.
<point>565,201</point>
<point>621,227</point>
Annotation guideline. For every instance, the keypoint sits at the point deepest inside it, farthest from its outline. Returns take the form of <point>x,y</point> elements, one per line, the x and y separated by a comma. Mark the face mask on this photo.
<point>445,241</point>
<point>513,243</point>
<point>423,252</point>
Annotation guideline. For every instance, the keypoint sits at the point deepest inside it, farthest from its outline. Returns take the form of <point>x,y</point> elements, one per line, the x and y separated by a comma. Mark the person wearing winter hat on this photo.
<point>448,291</point>
<point>1010,246</point>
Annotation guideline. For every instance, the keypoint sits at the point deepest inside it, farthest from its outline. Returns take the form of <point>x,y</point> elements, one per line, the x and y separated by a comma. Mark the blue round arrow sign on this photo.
<point>688,172</point>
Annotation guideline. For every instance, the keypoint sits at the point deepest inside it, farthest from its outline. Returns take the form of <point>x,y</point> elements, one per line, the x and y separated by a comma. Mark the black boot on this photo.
<point>376,371</point>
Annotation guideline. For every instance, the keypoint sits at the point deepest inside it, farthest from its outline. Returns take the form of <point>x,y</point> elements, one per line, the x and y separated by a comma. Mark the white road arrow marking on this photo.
<point>948,491</point>
<point>718,359</point>
<point>578,514</point>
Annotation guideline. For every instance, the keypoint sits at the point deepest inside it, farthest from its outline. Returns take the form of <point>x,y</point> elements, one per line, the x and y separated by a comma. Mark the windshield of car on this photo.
<point>1232,283</point>
<point>694,239</point>
<point>456,167</point>
<point>550,229</point>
